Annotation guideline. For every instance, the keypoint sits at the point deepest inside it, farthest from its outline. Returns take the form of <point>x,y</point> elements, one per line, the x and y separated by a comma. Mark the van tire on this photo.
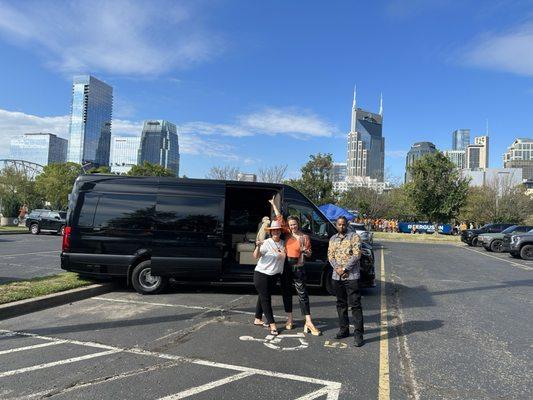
<point>144,282</point>
<point>526,252</point>
<point>327,284</point>
<point>496,246</point>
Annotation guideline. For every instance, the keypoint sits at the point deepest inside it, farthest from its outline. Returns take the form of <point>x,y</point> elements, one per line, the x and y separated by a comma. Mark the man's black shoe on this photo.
<point>342,334</point>
<point>358,341</point>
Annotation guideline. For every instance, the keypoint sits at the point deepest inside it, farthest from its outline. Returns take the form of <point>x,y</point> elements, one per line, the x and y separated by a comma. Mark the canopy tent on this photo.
<point>332,212</point>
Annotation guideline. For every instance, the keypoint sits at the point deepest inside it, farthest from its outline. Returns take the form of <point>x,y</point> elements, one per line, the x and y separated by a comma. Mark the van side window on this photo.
<point>310,220</point>
<point>88,207</point>
<point>125,211</point>
<point>188,213</point>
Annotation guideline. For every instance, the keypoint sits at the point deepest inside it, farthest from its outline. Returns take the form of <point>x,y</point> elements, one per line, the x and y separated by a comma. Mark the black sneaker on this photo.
<point>342,334</point>
<point>358,341</point>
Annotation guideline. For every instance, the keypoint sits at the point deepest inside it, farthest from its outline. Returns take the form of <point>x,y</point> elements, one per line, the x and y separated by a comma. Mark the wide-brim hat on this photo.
<point>274,225</point>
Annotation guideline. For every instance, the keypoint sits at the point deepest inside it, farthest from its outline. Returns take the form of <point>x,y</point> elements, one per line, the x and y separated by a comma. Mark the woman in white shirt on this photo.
<point>270,257</point>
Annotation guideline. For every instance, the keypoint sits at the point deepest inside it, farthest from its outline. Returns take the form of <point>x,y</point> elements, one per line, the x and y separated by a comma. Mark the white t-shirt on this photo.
<point>272,257</point>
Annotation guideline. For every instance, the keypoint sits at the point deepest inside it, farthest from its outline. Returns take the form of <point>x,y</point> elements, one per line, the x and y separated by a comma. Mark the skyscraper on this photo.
<point>458,157</point>
<point>338,172</point>
<point>40,148</point>
<point>520,155</point>
<point>366,145</point>
<point>159,145</point>
<point>90,121</point>
<point>124,153</point>
<point>418,150</point>
<point>460,139</point>
<point>477,154</point>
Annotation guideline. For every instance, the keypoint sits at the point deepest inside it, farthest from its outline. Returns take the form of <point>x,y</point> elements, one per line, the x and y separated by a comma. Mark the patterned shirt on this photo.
<point>345,251</point>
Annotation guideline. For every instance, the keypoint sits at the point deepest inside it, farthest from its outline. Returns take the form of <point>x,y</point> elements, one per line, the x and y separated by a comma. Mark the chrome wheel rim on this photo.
<point>34,229</point>
<point>529,253</point>
<point>147,280</point>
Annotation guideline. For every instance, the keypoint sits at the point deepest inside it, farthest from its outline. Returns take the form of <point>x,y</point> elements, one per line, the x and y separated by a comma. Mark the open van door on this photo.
<point>187,240</point>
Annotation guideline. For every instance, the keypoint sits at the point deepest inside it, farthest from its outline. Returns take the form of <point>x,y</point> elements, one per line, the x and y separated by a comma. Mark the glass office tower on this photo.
<point>40,148</point>
<point>90,121</point>
<point>417,151</point>
<point>159,145</point>
<point>460,139</point>
<point>124,153</point>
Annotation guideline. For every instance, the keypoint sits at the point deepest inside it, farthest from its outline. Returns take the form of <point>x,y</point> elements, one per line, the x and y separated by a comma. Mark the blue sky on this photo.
<point>257,83</point>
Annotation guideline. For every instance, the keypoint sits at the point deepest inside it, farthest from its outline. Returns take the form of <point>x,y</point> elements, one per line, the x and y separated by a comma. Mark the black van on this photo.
<point>149,229</point>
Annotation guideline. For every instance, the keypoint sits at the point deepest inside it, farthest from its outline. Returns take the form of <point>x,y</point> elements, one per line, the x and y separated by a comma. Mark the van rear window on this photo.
<point>88,206</point>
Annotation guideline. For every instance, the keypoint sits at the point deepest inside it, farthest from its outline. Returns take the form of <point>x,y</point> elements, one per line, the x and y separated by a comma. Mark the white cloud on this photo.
<point>511,51</point>
<point>119,37</point>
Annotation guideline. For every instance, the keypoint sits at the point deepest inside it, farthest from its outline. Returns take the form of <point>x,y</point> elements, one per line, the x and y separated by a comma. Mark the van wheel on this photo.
<point>474,242</point>
<point>327,283</point>
<point>34,229</point>
<point>496,246</point>
<point>144,282</point>
<point>526,252</point>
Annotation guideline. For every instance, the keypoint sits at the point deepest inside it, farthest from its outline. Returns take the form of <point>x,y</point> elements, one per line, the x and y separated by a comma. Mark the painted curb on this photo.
<point>21,307</point>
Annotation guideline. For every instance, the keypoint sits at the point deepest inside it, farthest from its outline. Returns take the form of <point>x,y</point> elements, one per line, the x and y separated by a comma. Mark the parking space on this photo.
<point>505,257</point>
<point>442,310</point>
<point>24,256</point>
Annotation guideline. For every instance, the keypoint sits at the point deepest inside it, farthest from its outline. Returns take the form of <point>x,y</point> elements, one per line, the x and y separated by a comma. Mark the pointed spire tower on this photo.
<point>354,110</point>
<point>381,104</point>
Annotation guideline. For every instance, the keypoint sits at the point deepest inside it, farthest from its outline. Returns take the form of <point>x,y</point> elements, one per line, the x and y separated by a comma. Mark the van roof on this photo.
<point>157,179</point>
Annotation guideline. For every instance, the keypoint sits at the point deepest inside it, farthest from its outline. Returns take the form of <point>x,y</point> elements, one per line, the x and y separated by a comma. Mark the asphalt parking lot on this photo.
<point>24,256</point>
<point>444,323</point>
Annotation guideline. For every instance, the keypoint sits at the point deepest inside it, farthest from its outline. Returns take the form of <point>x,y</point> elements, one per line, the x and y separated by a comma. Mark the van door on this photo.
<point>189,228</point>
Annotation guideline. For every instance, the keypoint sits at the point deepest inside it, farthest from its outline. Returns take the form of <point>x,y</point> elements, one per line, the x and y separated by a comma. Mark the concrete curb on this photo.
<point>16,308</point>
<point>14,232</point>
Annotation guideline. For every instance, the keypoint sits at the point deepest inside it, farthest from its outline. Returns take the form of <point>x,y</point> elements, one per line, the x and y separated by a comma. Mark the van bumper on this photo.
<point>69,263</point>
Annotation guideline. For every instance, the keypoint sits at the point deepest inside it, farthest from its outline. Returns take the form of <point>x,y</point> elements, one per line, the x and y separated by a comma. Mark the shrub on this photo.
<point>11,206</point>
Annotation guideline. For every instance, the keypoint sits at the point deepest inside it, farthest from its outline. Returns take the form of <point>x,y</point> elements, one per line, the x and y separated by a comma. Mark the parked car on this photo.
<point>41,220</point>
<point>494,241</point>
<point>520,245</point>
<point>365,235</point>
<point>470,236</point>
<point>150,229</point>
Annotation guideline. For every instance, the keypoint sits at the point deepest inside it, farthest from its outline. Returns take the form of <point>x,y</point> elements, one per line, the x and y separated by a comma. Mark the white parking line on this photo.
<point>179,306</point>
<point>330,387</point>
<point>55,363</point>
<point>524,267</point>
<point>207,386</point>
<point>35,346</point>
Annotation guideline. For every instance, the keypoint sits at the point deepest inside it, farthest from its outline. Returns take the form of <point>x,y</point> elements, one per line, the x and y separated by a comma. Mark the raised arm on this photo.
<point>274,207</point>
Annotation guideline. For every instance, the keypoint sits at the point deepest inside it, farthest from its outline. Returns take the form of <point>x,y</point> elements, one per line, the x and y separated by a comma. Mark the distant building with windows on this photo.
<point>460,139</point>
<point>159,145</point>
<point>361,182</point>
<point>458,157</point>
<point>338,172</point>
<point>418,150</point>
<point>124,153</point>
<point>520,155</point>
<point>477,154</point>
<point>241,176</point>
<point>499,177</point>
<point>90,121</point>
<point>40,148</point>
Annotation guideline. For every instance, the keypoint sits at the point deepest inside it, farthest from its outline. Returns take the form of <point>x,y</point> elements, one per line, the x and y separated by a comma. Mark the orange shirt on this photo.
<point>292,245</point>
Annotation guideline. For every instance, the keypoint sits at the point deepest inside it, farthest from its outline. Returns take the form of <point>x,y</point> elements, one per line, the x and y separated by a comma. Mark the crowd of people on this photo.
<point>282,257</point>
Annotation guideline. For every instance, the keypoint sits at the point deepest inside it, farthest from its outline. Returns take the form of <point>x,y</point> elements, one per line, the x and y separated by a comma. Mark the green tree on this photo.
<point>400,205</point>
<point>149,169</point>
<point>17,182</point>
<point>437,190</point>
<point>55,183</point>
<point>10,205</point>
<point>368,202</point>
<point>315,181</point>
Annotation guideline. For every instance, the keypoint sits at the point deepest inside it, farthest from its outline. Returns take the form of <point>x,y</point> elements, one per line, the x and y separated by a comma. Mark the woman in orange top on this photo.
<point>297,247</point>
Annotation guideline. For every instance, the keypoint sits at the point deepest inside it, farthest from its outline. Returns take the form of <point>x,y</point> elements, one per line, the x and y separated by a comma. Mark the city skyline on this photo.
<point>226,114</point>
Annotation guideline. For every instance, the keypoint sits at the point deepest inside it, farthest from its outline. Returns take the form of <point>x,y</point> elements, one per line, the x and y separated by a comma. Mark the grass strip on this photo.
<point>417,237</point>
<point>27,289</point>
<point>13,228</point>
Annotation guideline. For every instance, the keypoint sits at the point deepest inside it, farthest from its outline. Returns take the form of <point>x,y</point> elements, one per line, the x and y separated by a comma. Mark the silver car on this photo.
<point>365,235</point>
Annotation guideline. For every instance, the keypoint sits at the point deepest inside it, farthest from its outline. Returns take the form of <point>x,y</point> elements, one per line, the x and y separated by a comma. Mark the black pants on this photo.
<point>348,295</point>
<point>300,284</point>
<point>265,285</point>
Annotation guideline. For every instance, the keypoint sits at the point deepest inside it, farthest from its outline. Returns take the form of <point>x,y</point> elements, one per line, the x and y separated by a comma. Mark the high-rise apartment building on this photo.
<point>477,154</point>
<point>40,148</point>
<point>159,145</point>
<point>124,153</point>
<point>520,155</point>
<point>458,157</point>
<point>366,145</point>
<point>418,150</point>
<point>460,139</point>
<point>90,121</point>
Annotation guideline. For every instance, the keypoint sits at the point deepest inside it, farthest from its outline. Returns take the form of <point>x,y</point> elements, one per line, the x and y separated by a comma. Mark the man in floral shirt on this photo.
<point>344,253</point>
